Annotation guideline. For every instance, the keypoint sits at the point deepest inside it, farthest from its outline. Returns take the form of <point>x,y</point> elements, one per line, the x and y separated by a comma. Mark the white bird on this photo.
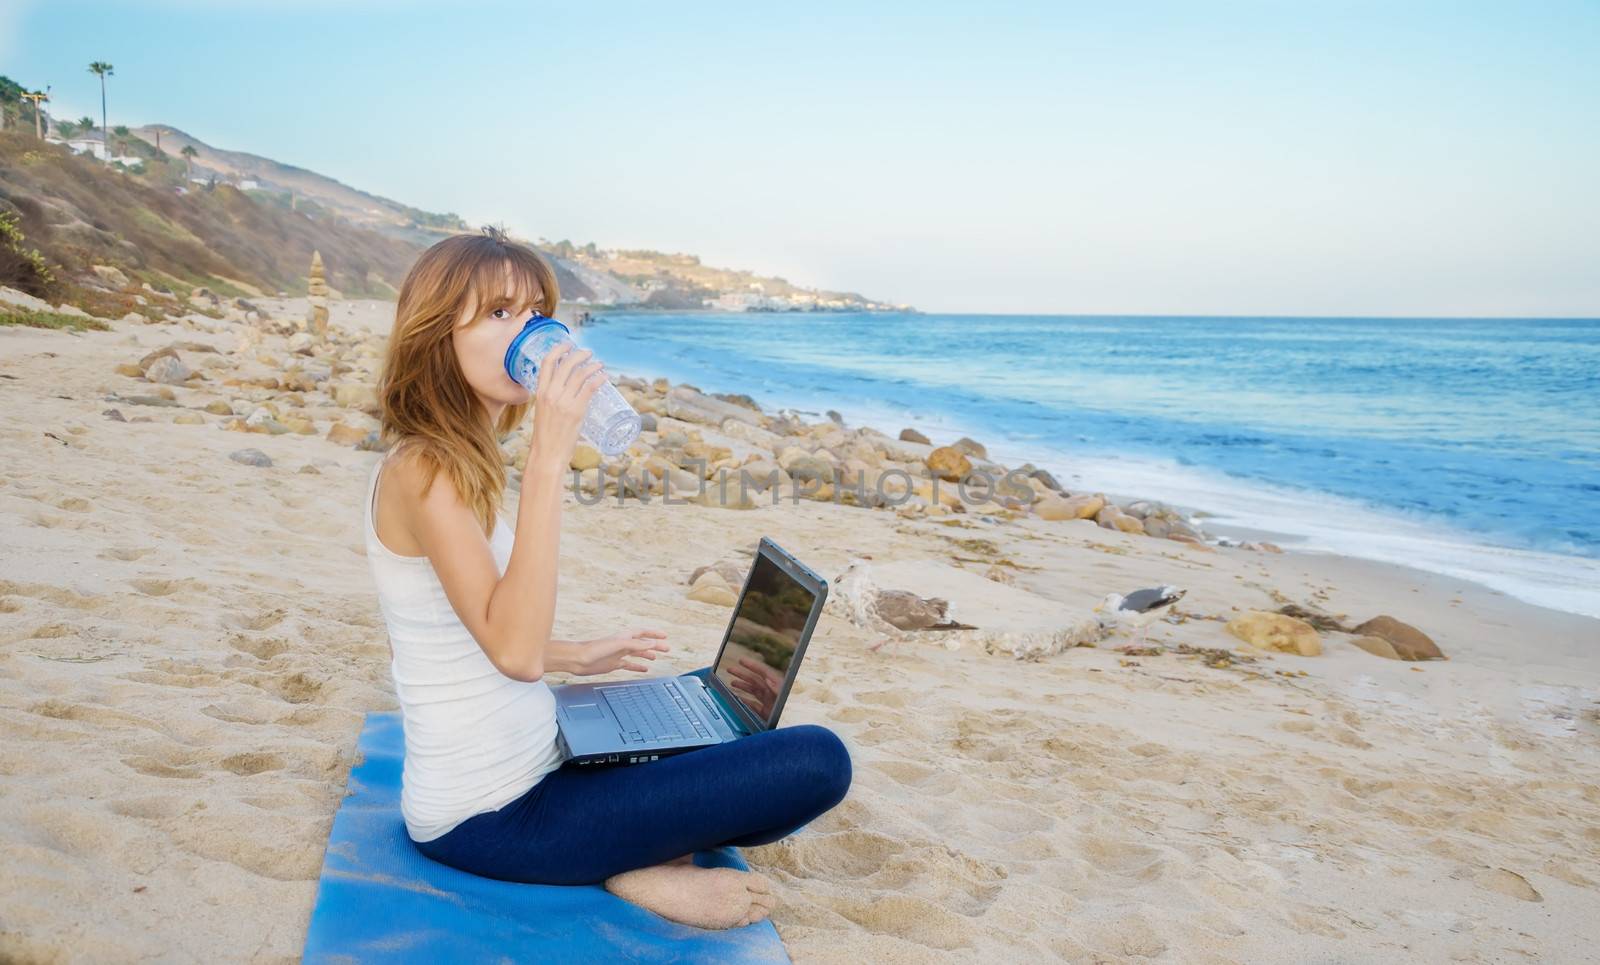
<point>1138,609</point>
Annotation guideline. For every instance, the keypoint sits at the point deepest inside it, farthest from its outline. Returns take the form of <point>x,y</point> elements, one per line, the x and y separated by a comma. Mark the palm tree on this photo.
<point>103,70</point>
<point>188,153</point>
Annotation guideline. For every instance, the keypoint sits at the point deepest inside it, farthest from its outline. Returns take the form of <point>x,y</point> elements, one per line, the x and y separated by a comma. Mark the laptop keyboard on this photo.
<point>652,713</point>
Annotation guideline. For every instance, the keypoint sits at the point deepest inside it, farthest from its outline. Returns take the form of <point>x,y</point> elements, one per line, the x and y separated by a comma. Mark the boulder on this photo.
<point>755,435</point>
<point>1274,631</point>
<point>1377,646</point>
<point>1070,507</point>
<point>584,457</point>
<point>948,463</point>
<point>912,435</point>
<point>168,369</point>
<point>345,435</point>
<point>1408,642</point>
<point>1110,517</point>
<point>971,447</point>
<point>111,275</point>
<point>712,589</point>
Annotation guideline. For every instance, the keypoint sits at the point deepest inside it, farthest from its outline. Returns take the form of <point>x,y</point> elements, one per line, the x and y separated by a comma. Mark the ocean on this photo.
<point>1468,447</point>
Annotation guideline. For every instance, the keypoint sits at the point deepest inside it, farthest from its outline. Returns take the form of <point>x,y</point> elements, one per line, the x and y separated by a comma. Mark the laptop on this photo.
<point>741,693</point>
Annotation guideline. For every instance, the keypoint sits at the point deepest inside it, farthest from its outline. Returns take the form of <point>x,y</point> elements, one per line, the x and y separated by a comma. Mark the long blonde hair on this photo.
<point>425,399</point>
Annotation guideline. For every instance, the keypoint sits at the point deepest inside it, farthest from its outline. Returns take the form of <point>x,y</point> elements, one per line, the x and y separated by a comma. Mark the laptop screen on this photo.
<point>763,637</point>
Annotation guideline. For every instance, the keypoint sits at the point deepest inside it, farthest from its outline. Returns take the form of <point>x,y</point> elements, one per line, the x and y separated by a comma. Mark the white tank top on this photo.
<point>475,739</point>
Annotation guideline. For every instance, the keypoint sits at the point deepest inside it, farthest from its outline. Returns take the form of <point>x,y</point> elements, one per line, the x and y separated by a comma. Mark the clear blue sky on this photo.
<point>1258,158</point>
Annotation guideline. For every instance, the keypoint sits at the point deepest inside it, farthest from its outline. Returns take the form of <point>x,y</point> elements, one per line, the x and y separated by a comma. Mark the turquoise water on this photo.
<point>1466,446</point>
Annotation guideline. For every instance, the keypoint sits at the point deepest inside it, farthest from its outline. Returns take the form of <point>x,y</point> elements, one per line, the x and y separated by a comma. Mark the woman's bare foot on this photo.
<point>704,897</point>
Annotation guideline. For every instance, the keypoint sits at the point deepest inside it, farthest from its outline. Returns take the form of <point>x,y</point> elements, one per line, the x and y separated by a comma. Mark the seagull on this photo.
<point>896,614</point>
<point>1138,609</point>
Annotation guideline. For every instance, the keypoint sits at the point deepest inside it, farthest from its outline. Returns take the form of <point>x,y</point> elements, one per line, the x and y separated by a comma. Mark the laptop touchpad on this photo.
<point>585,712</point>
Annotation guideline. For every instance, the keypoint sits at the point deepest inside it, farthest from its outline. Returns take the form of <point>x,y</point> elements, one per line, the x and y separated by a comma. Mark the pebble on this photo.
<point>251,457</point>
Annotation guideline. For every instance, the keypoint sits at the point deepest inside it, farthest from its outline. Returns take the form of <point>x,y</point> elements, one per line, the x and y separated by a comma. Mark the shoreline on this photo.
<point>193,640</point>
<point>1303,519</point>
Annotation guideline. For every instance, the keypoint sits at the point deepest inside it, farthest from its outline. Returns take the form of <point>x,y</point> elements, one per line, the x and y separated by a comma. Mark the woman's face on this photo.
<point>481,337</point>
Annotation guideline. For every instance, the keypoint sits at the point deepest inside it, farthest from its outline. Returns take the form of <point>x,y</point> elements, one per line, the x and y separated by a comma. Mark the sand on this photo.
<point>188,646</point>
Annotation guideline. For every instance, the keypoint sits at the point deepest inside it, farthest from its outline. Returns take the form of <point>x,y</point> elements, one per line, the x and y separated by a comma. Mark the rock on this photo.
<point>1409,642</point>
<point>310,470</point>
<point>189,419</point>
<point>948,463</point>
<point>999,574</point>
<point>73,310</point>
<point>1111,517</point>
<point>262,420</point>
<point>1507,882</point>
<point>219,407</point>
<point>304,427</point>
<point>726,496</point>
<point>166,352</point>
<point>660,386</point>
<point>355,395</point>
<point>1274,631</point>
<point>912,435</point>
<point>647,422</point>
<point>1071,507</point>
<point>134,318</point>
<point>250,457</point>
<point>301,343</point>
<point>715,592</point>
<point>739,399</point>
<point>1377,646</point>
<point>168,369</point>
<point>344,435</point>
<point>23,300</point>
<point>111,275</point>
<point>1012,489</point>
<point>130,370</point>
<point>1187,540</point>
<point>1157,527</point>
<point>165,391</point>
<point>373,442</point>
<point>1177,528</point>
<point>584,457</point>
<point>1043,475</point>
<point>755,435</point>
<point>758,476</point>
<point>971,447</point>
<point>691,405</point>
<point>115,415</point>
<point>731,572</point>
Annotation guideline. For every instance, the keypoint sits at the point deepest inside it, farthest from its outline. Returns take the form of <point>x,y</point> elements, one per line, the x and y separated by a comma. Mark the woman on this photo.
<point>470,605</point>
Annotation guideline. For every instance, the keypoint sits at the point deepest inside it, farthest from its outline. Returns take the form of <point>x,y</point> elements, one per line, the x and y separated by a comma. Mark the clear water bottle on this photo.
<point>610,423</point>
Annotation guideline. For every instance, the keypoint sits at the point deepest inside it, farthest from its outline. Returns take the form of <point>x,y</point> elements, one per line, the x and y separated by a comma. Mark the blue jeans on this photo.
<point>582,825</point>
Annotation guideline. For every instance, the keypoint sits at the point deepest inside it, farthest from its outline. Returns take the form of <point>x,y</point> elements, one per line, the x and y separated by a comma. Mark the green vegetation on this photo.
<point>12,315</point>
<point>21,267</point>
<point>78,213</point>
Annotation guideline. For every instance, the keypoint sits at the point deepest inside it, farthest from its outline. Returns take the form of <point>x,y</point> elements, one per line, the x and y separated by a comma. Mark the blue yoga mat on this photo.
<point>382,900</point>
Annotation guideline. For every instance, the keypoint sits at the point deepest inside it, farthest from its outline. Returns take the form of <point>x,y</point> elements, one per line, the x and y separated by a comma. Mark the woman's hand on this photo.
<point>620,652</point>
<point>759,682</point>
<point>568,377</point>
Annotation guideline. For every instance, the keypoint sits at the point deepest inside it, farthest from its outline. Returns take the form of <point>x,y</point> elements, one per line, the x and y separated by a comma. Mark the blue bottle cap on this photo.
<point>535,323</point>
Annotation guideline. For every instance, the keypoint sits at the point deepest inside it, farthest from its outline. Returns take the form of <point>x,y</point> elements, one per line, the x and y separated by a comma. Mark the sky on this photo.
<point>1252,158</point>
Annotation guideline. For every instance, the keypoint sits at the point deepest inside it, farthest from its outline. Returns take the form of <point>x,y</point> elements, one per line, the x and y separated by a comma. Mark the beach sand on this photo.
<point>188,646</point>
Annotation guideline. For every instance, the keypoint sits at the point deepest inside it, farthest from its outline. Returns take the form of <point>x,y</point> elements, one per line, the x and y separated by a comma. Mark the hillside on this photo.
<point>79,212</point>
<point>240,224</point>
